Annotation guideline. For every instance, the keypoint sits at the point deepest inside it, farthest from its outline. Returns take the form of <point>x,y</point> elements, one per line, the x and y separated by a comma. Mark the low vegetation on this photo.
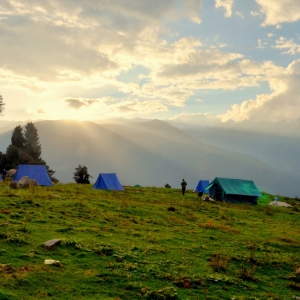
<point>131,245</point>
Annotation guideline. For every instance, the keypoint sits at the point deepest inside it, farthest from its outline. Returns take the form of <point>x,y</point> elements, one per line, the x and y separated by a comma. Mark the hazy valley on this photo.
<point>150,153</point>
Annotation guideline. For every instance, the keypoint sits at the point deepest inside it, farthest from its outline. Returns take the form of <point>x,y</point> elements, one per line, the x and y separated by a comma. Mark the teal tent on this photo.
<point>234,190</point>
<point>108,181</point>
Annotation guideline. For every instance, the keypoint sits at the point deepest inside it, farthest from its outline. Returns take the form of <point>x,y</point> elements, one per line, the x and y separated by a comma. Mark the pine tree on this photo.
<point>15,156</point>
<point>2,104</point>
<point>17,138</point>
<point>26,149</point>
<point>32,143</point>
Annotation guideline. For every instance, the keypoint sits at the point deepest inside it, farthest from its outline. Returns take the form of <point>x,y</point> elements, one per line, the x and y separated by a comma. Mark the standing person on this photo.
<point>3,172</point>
<point>183,186</point>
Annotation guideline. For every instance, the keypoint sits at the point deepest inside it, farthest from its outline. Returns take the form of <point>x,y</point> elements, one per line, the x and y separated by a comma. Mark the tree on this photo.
<point>2,104</point>
<point>15,156</point>
<point>17,138</point>
<point>32,143</point>
<point>3,160</point>
<point>26,149</point>
<point>82,175</point>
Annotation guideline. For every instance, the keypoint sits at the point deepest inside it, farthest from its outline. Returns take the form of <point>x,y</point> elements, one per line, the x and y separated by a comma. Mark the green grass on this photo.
<point>127,245</point>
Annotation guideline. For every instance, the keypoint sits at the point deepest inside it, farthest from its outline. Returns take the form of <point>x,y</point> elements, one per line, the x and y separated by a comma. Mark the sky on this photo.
<point>227,60</point>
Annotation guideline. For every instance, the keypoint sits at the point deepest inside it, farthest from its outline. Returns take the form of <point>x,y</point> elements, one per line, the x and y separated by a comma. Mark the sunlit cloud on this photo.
<point>283,104</point>
<point>78,103</point>
<point>278,11</point>
<point>135,106</point>
<point>227,5</point>
<point>35,112</point>
<point>288,45</point>
<point>89,59</point>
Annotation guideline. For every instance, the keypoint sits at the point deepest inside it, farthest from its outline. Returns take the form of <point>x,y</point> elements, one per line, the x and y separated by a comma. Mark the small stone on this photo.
<point>52,243</point>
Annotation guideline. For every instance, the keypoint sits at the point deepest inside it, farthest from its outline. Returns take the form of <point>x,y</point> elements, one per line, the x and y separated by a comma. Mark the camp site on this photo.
<point>107,241</point>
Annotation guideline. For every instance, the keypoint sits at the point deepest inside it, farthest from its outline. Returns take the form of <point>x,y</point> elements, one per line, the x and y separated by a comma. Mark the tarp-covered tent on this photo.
<point>108,181</point>
<point>201,187</point>
<point>234,190</point>
<point>37,172</point>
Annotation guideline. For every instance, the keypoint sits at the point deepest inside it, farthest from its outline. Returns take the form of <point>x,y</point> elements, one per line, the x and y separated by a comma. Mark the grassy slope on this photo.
<point>127,245</point>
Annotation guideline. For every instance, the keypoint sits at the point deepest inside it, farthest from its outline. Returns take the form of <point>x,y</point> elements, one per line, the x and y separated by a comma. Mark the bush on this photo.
<point>82,175</point>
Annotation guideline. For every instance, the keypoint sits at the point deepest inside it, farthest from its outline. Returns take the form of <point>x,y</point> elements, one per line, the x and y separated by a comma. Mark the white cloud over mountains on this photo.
<point>58,50</point>
<point>283,104</point>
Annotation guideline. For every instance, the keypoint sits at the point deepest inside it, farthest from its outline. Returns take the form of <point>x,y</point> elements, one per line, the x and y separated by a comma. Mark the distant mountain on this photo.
<point>150,154</point>
<point>121,121</point>
<point>276,144</point>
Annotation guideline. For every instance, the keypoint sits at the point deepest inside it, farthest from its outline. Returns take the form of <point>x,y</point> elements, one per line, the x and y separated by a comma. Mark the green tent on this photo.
<point>234,190</point>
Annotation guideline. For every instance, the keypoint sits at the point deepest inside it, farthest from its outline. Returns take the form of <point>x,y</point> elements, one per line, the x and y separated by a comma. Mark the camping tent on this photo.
<point>37,172</point>
<point>234,190</point>
<point>1,179</point>
<point>202,185</point>
<point>108,181</point>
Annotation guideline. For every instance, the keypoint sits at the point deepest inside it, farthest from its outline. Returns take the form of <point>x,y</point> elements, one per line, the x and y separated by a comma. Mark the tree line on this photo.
<point>25,148</point>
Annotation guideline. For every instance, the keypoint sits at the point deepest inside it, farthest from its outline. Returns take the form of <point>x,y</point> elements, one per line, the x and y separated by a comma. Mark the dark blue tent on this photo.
<point>1,179</point>
<point>108,181</point>
<point>202,185</point>
<point>36,172</point>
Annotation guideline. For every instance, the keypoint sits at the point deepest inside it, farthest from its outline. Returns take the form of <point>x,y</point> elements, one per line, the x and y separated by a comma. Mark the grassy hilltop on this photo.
<point>128,245</point>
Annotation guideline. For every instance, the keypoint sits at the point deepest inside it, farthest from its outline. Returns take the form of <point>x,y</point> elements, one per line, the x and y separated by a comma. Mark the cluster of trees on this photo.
<point>25,148</point>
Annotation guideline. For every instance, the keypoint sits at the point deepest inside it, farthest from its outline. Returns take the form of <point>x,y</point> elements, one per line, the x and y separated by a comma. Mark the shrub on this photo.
<point>247,273</point>
<point>219,262</point>
<point>82,175</point>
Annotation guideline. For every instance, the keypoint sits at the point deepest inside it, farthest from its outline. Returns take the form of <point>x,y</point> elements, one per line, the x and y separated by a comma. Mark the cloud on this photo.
<point>227,4</point>
<point>283,104</point>
<point>260,44</point>
<point>289,45</point>
<point>77,41</point>
<point>240,15</point>
<point>254,13</point>
<point>278,11</point>
<point>34,111</point>
<point>135,106</point>
<point>200,119</point>
<point>78,103</point>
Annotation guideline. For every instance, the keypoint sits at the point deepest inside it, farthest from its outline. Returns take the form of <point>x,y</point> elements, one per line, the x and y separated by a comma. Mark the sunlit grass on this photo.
<point>128,245</point>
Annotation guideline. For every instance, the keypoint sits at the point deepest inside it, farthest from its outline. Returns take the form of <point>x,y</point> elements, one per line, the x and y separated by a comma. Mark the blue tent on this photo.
<point>36,172</point>
<point>108,181</point>
<point>202,185</point>
<point>1,179</point>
